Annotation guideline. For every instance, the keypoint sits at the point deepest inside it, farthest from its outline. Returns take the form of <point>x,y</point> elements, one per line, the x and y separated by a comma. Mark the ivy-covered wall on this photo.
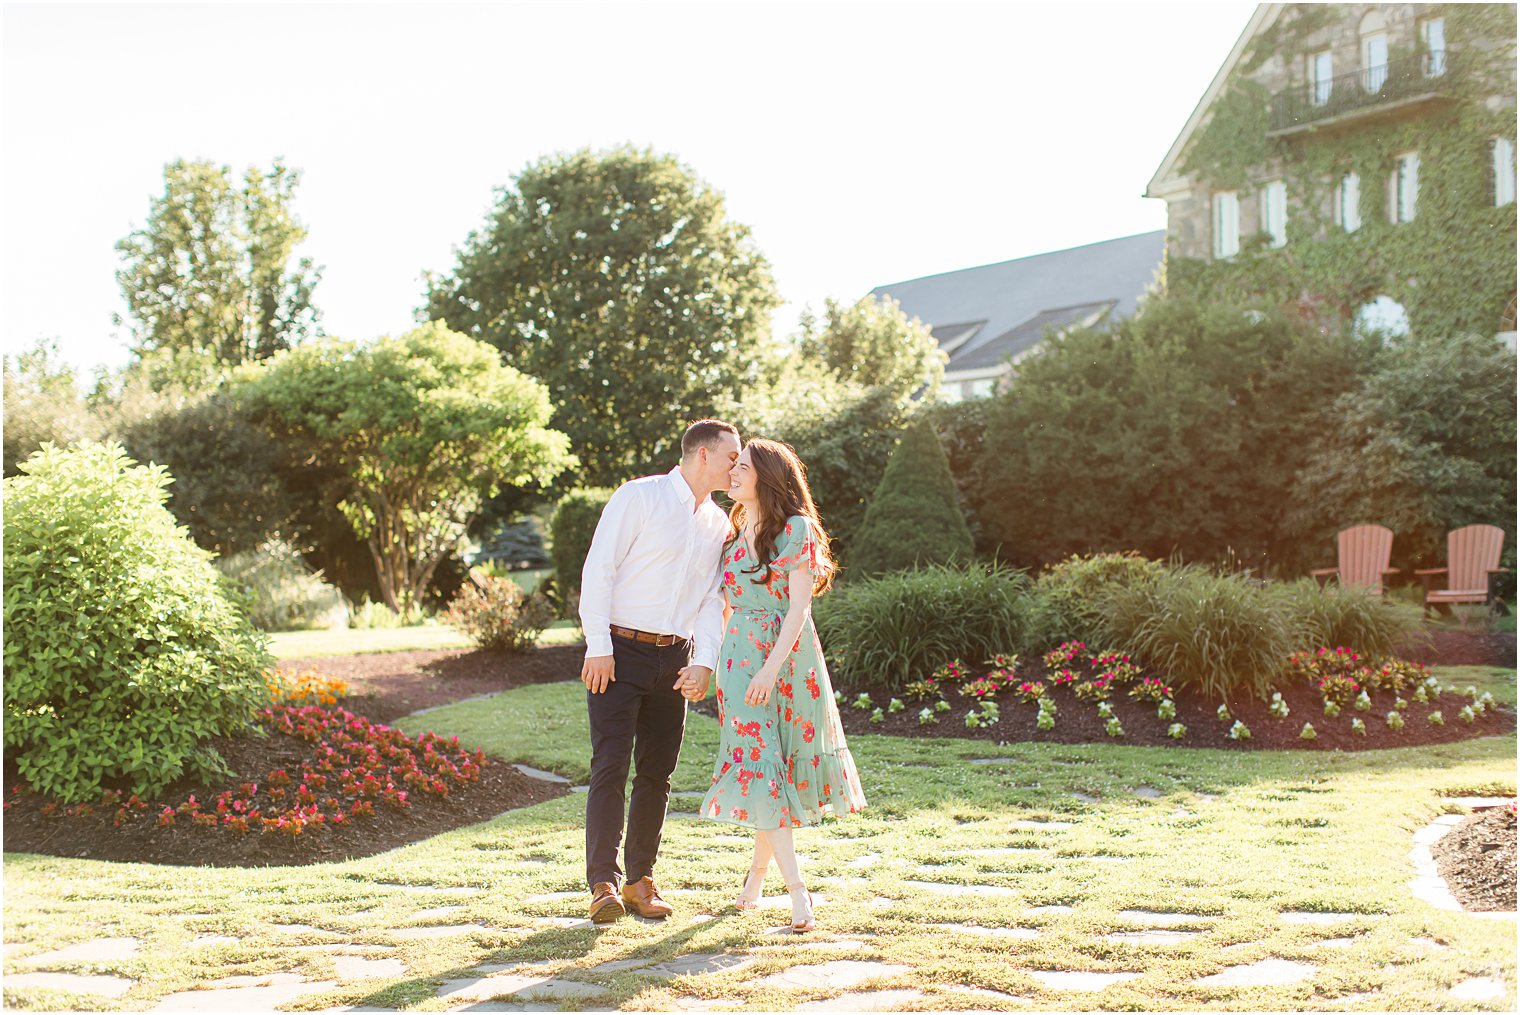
<point>1452,267</point>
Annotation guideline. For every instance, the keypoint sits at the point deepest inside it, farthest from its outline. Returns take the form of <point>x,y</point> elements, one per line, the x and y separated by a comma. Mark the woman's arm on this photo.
<point>799,585</point>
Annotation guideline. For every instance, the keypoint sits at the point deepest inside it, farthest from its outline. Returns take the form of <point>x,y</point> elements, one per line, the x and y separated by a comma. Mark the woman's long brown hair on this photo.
<point>781,483</point>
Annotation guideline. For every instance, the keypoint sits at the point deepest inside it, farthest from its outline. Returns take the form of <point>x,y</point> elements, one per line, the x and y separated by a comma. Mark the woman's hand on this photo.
<point>759,690</point>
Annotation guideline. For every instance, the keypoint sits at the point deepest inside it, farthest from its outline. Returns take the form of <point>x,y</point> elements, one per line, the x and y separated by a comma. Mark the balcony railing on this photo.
<point>1397,82</point>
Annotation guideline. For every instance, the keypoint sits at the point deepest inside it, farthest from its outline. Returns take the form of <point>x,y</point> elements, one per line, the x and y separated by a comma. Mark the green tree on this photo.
<point>1179,430</point>
<point>43,403</point>
<point>872,342</point>
<point>419,431</point>
<point>914,517</point>
<point>210,276</point>
<point>1423,444</point>
<point>617,279</point>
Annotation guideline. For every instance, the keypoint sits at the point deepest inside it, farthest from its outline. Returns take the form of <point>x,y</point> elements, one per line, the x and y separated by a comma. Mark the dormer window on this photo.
<point>1374,37</point>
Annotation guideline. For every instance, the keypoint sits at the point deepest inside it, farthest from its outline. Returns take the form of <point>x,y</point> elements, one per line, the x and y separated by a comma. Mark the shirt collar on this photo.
<point>683,488</point>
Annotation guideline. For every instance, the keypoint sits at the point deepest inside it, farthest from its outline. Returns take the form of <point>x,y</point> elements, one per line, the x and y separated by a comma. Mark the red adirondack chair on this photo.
<point>1362,553</point>
<point>1472,556</point>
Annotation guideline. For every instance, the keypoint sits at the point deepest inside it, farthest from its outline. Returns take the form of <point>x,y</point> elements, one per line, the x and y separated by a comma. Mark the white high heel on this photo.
<point>808,921</point>
<point>743,901</point>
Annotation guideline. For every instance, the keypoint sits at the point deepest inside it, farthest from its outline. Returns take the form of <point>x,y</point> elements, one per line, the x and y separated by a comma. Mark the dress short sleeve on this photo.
<point>795,548</point>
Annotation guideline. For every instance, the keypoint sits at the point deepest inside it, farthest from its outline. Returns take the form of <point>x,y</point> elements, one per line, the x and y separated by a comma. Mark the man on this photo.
<point>652,609</point>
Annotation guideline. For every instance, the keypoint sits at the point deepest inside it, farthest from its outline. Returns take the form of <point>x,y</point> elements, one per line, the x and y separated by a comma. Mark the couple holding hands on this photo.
<point>673,592</point>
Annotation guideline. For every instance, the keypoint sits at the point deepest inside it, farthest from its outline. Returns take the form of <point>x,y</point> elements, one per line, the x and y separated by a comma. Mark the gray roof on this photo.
<point>981,316</point>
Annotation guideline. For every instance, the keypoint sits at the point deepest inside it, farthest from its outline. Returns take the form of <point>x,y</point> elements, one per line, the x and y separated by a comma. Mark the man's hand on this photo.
<point>596,673</point>
<point>693,682</point>
<point>759,690</point>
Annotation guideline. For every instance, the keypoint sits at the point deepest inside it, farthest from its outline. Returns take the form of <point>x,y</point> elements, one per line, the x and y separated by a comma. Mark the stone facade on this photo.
<point>1276,55</point>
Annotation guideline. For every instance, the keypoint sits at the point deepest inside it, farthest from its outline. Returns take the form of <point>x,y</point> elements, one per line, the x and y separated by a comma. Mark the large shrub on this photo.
<point>282,593</point>
<point>1176,431</point>
<point>914,517</point>
<point>123,652</point>
<point>890,630</point>
<point>570,532</point>
<point>1074,589</point>
<point>1423,443</point>
<point>498,615</point>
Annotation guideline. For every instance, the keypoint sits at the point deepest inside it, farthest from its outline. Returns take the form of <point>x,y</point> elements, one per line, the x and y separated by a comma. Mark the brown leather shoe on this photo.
<point>644,899</point>
<point>605,905</point>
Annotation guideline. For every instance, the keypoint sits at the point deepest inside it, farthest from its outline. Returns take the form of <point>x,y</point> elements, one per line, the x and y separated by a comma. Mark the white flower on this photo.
<point>877,715</point>
<point>1307,733</point>
<point>1240,731</point>
<point>1176,730</point>
<point>895,705</point>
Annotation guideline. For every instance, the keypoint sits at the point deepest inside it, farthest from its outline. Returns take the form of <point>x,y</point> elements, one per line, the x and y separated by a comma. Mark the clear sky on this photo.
<point>863,143</point>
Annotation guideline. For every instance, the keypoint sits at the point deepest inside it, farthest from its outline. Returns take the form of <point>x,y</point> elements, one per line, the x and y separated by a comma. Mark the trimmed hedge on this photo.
<point>123,651</point>
<point>914,518</point>
<point>570,532</point>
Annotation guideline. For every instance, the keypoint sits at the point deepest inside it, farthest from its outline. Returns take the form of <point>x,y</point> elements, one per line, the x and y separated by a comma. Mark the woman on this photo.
<point>782,762</point>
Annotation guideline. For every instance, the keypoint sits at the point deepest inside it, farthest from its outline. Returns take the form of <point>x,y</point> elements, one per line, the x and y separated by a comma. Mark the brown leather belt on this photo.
<point>645,636</point>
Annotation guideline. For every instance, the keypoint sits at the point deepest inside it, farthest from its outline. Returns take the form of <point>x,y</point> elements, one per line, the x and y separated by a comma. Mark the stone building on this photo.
<point>1354,160</point>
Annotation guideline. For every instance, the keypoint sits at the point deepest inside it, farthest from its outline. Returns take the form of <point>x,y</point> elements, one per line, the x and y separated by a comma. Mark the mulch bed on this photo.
<point>388,685</point>
<point>1461,648</point>
<point>1078,722</point>
<point>1477,859</point>
<point>384,687</point>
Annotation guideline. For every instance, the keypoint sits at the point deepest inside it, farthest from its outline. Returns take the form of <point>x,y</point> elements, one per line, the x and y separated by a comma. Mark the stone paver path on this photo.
<point>278,989</point>
<point>108,986</point>
<point>1266,973</point>
<point>1151,937</point>
<point>356,967</point>
<point>1042,826</point>
<point>1291,916</point>
<point>1147,792</point>
<point>866,1000</point>
<point>539,773</point>
<point>1481,988</point>
<point>444,930</point>
<point>1022,933</point>
<point>1062,980</point>
<point>841,974</point>
<point>1151,918</point>
<point>694,965</point>
<point>946,888</point>
<point>106,949</point>
<point>526,988</point>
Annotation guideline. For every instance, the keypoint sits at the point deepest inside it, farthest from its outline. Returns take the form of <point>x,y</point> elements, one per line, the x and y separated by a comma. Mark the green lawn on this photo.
<point>1236,842</point>
<point>418,637</point>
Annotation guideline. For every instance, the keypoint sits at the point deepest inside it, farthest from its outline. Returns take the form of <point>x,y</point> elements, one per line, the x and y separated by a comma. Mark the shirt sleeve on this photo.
<point>609,546</point>
<point>794,549</point>
<point>709,634</point>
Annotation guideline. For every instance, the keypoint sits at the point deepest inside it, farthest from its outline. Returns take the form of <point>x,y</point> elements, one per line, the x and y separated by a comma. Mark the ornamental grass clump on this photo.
<point>1217,634</point>
<point>123,651</point>
<point>1345,615</point>
<point>887,630</point>
<point>1074,588</point>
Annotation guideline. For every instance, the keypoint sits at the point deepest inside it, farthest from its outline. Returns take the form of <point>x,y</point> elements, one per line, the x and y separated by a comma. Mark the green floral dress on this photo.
<point>784,763</point>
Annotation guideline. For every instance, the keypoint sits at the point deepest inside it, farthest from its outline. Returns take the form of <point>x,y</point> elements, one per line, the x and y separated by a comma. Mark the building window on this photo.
<point>1503,171</point>
<point>1348,202</point>
<point>1383,316</point>
<point>1274,212</point>
<point>1319,74</point>
<point>1433,35</point>
<point>1374,36</point>
<point>1226,224</point>
<point>1404,188</point>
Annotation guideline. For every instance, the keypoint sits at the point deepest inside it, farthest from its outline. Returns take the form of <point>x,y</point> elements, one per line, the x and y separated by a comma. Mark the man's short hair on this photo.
<point>704,433</point>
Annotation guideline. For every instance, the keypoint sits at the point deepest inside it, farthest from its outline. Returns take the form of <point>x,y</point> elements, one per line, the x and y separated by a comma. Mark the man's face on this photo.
<point>719,461</point>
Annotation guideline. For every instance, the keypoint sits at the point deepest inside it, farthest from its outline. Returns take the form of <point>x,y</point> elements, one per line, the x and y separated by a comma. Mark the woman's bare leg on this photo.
<point>754,884</point>
<point>785,853</point>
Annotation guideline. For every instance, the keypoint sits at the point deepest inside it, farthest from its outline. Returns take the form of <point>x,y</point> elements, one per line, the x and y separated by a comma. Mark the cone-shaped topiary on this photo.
<point>122,652</point>
<point>913,518</point>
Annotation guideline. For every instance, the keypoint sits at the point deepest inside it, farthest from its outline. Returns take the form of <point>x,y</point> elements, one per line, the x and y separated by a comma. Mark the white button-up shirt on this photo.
<point>654,566</point>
